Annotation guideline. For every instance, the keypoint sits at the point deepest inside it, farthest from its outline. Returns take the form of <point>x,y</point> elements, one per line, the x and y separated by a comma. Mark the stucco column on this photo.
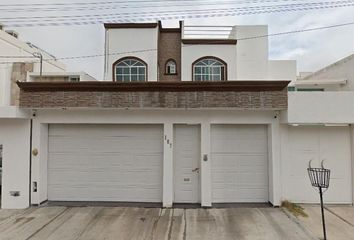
<point>39,168</point>
<point>35,171</point>
<point>352,158</point>
<point>205,166</point>
<point>274,162</point>
<point>167,198</point>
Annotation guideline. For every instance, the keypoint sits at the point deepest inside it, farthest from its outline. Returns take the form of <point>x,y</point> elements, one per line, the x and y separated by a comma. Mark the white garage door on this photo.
<point>331,144</point>
<point>105,163</point>
<point>239,163</point>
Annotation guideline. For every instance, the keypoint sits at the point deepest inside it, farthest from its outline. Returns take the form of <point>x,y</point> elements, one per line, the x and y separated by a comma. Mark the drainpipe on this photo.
<point>30,163</point>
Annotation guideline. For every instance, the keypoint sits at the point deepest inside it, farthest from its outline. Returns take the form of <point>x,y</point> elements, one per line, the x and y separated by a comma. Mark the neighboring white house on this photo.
<point>11,67</point>
<point>59,77</point>
<point>179,118</point>
<point>18,63</point>
<point>319,117</point>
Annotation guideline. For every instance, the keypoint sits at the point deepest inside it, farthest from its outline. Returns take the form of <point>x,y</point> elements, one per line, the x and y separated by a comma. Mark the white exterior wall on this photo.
<point>282,70</point>
<point>15,138</point>
<point>300,144</point>
<point>10,46</point>
<point>5,85</point>
<point>168,118</point>
<point>252,54</point>
<point>132,40</point>
<point>35,76</point>
<point>190,53</point>
<point>319,108</point>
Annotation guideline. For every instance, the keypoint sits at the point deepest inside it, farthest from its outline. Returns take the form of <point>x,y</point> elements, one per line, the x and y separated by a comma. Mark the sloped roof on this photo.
<point>333,65</point>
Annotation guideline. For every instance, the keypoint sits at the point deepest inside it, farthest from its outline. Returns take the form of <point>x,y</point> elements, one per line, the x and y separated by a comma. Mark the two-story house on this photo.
<point>185,115</point>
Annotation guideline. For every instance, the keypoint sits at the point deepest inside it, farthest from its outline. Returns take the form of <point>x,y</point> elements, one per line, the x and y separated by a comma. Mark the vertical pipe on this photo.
<point>30,163</point>
<point>323,218</point>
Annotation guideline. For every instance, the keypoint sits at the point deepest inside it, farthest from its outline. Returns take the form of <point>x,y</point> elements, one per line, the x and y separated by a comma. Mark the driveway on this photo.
<point>148,223</point>
<point>339,221</point>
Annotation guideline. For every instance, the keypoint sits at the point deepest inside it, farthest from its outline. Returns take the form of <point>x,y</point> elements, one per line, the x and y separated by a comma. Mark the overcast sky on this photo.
<point>312,50</point>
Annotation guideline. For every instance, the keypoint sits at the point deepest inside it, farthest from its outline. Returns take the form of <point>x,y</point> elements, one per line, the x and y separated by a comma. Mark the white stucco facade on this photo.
<point>131,42</point>
<point>248,59</point>
<point>168,118</point>
<point>316,126</point>
<point>15,140</point>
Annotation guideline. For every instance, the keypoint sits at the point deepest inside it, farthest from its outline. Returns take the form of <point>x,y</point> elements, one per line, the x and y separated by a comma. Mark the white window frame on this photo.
<point>171,67</point>
<point>209,69</point>
<point>134,70</point>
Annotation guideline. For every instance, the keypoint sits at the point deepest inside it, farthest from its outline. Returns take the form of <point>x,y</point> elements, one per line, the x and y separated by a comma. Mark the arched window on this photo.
<point>209,69</point>
<point>130,69</point>
<point>171,67</point>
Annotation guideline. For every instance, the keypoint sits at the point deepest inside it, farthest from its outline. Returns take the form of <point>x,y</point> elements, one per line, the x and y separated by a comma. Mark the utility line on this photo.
<point>140,1</point>
<point>170,17</point>
<point>82,8</point>
<point>241,9</point>
<point>155,49</point>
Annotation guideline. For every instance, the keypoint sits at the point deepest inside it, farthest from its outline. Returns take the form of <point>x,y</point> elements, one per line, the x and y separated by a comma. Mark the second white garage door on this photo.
<point>105,163</point>
<point>239,163</point>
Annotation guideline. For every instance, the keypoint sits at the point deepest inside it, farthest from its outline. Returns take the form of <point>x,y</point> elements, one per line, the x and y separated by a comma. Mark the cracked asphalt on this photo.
<point>51,223</point>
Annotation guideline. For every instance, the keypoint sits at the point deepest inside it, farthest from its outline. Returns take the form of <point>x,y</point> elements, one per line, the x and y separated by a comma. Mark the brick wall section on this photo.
<point>276,100</point>
<point>19,73</point>
<point>169,46</point>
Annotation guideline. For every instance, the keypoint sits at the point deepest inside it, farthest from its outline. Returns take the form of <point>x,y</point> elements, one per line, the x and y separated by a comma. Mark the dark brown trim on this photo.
<point>125,58</point>
<point>214,58</point>
<point>183,86</point>
<point>210,41</point>
<point>170,30</point>
<point>170,59</point>
<point>129,25</point>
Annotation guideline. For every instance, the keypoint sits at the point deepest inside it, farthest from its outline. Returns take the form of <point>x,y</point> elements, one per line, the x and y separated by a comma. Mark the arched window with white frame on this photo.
<point>130,69</point>
<point>171,67</point>
<point>209,69</point>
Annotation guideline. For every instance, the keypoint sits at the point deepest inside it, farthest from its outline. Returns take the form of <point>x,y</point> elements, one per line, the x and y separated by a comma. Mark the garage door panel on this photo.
<point>126,194</point>
<point>105,163</point>
<point>331,144</point>
<point>239,163</point>
<point>299,162</point>
<point>239,145</point>
<point>246,195</point>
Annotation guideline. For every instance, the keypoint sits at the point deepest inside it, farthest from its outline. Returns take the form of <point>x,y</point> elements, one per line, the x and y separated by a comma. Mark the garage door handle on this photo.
<point>195,170</point>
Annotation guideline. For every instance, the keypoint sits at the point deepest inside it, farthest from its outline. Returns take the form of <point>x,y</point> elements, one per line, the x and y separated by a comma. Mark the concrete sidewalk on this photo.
<point>85,223</point>
<point>339,221</point>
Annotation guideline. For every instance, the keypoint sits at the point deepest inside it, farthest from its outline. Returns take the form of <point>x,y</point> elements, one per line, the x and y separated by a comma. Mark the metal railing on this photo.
<point>207,32</point>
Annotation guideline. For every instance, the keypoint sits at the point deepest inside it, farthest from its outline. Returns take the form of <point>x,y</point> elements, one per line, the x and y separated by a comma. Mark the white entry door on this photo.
<point>186,163</point>
<point>105,163</point>
<point>239,163</point>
